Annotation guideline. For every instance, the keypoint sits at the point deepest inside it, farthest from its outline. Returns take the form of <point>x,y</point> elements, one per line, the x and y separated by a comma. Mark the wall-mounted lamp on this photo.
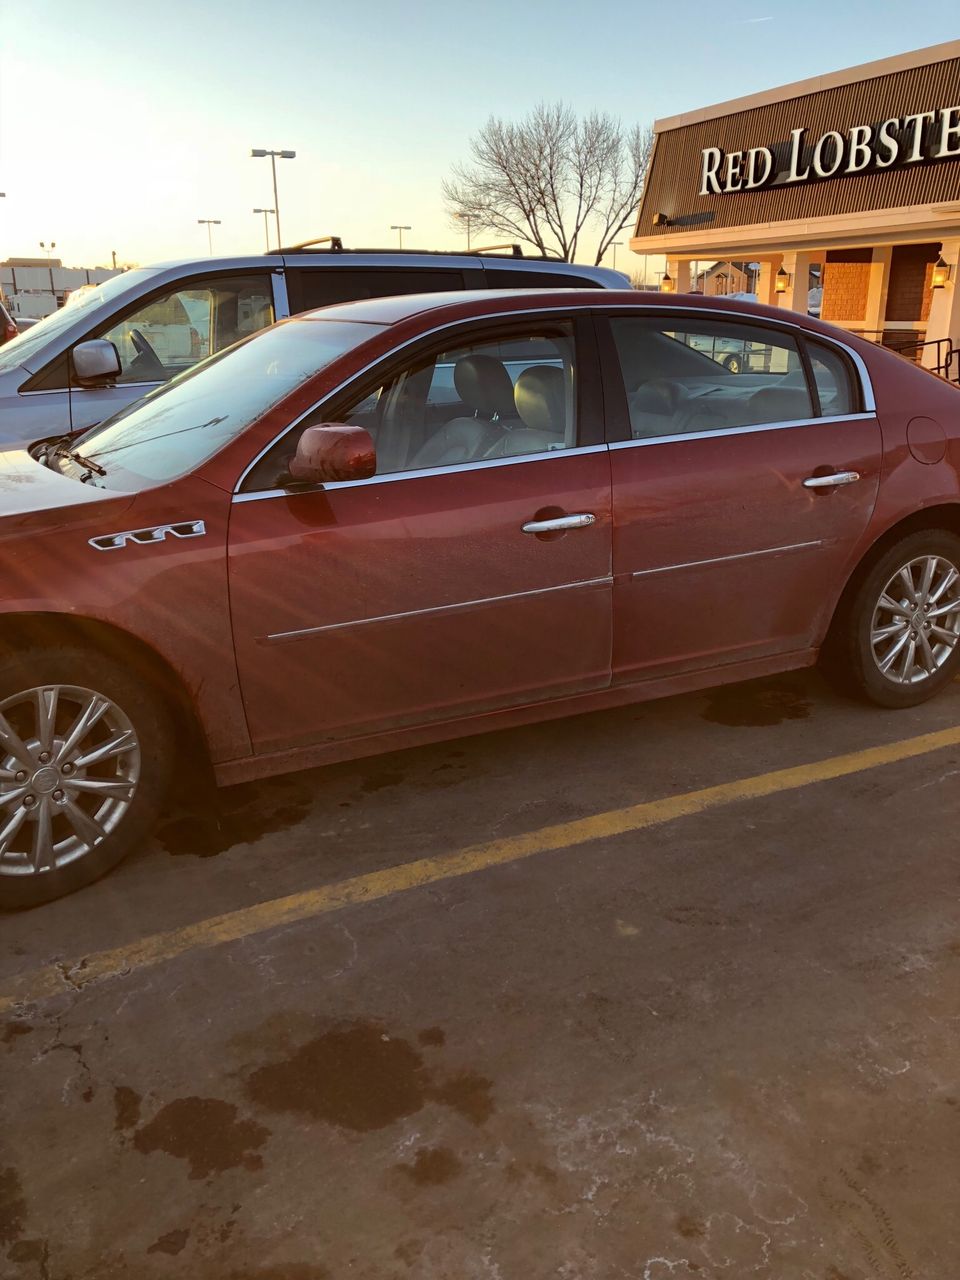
<point>661,220</point>
<point>666,284</point>
<point>781,281</point>
<point>941,273</point>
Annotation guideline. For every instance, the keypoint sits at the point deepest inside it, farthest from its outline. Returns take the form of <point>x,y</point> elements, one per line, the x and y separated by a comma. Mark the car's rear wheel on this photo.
<point>85,757</point>
<point>899,640</point>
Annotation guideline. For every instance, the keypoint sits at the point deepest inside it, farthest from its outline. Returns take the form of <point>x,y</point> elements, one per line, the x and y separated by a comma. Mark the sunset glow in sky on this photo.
<point>121,124</point>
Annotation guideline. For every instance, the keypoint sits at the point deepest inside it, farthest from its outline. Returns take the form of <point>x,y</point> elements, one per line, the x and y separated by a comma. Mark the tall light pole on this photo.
<point>48,249</point>
<point>400,229</point>
<point>615,245</point>
<point>266,233</point>
<point>467,218</point>
<point>208,223</point>
<point>284,155</point>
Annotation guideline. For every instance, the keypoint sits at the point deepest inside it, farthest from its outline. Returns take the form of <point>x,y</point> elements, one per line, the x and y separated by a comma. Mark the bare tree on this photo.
<point>552,178</point>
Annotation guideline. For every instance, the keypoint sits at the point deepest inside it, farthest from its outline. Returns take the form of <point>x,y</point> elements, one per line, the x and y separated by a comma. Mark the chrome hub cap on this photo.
<point>69,768</point>
<point>916,622</point>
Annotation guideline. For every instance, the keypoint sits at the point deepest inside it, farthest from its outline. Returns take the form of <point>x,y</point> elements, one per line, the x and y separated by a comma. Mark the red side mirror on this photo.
<point>332,451</point>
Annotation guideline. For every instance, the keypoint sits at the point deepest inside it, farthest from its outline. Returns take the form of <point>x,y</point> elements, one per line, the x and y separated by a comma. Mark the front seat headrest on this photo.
<point>539,397</point>
<point>484,385</point>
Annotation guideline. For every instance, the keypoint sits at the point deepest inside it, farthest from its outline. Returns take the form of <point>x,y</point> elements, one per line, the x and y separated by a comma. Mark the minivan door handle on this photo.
<point>560,522</point>
<point>831,482</point>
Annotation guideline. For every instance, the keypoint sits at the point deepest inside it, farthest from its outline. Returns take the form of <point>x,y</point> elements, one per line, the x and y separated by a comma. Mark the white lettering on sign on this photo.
<point>919,138</point>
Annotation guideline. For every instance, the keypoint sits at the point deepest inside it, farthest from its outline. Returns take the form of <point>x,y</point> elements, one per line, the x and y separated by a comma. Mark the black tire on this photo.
<point>849,656</point>
<point>734,364</point>
<point>141,705</point>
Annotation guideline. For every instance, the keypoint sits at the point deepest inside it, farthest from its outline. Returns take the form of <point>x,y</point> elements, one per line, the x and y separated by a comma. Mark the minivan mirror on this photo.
<point>96,362</point>
<point>333,451</point>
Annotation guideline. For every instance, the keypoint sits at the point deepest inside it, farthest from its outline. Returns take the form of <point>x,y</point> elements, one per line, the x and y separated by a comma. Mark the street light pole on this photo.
<point>208,223</point>
<point>465,217</point>
<point>284,155</point>
<point>400,229</point>
<point>615,245</point>
<point>266,233</point>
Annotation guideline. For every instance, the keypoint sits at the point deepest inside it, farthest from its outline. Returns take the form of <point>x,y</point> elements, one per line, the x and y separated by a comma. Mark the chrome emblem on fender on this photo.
<point>183,529</point>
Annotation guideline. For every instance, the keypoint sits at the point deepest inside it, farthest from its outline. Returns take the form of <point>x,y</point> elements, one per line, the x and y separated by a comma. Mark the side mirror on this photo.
<point>96,362</point>
<point>333,451</point>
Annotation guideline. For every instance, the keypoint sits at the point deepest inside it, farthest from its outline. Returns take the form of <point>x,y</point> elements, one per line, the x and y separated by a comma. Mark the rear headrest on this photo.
<point>483,383</point>
<point>539,398</point>
<point>780,404</point>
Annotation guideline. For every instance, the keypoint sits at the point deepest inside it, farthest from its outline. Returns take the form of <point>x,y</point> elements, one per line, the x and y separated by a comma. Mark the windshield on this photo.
<point>20,349</point>
<point>177,427</point>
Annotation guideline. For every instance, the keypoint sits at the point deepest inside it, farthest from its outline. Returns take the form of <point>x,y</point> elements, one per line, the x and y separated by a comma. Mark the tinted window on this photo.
<point>323,286</point>
<point>504,278</point>
<point>835,386</point>
<point>692,376</point>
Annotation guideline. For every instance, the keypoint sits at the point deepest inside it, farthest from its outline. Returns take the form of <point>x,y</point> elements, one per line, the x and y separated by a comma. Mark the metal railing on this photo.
<point>946,353</point>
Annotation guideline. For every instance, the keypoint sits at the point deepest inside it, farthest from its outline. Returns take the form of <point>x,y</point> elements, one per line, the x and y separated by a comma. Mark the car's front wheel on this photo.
<point>899,640</point>
<point>85,755</point>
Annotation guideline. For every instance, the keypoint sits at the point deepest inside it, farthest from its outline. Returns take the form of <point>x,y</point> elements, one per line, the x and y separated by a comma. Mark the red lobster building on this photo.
<point>849,183</point>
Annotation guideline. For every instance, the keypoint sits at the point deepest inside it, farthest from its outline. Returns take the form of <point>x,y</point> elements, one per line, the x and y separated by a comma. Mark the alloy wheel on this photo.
<point>916,621</point>
<point>69,768</point>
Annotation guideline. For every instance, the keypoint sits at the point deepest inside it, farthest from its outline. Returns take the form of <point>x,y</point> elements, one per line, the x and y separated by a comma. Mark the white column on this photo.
<point>944,321</point>
<point>679,270</point>
<point>797,267</point>
<point>765,278</point>
<point>879,285</point>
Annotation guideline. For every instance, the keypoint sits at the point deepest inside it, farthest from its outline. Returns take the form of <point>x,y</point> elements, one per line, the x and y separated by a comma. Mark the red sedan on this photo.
<point>397,521</point>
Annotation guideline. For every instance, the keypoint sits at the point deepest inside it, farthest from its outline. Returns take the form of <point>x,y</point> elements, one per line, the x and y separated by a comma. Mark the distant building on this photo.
<point>35,287</point>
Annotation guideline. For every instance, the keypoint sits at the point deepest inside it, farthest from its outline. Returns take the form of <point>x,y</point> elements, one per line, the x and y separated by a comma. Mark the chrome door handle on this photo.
<point>560,522</point>
<point>831,482</point>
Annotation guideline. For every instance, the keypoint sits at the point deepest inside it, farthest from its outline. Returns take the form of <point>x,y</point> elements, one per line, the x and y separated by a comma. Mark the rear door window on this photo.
<point>324,286</point>
<point>505,278</point>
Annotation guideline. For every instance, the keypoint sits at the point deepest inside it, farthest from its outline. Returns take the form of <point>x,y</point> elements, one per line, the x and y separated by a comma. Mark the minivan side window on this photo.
<point>689,376</point>
<point>172,332</point>
<point>327,285</point>
<point>504,278</point>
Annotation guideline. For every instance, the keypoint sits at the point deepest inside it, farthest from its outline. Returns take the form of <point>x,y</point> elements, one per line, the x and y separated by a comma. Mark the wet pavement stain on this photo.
<point>13,1207</point>
<point>358,1077</point>
<point>431,1036</point>
<point>206,1133</point>
<point>173,1242</point>
<point>14,1030</point>
<point>37,1251</point>
<point>432,1166</point>
<point>690,1228</point>
<point>240,815</point>
<point>126,1108</point>
<point>758,705</point>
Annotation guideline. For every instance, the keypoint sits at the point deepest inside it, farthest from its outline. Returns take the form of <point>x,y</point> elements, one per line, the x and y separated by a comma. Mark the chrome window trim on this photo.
<point>392,476</point>
<point>749,429</point>
<point>60,391</point>
<point>741,555</point>
<point>594,307</point>
<point>279,637</point>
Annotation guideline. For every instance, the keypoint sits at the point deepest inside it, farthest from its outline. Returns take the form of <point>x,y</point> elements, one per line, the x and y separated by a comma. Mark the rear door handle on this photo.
<point>831,482</point>
<point>560,522</point>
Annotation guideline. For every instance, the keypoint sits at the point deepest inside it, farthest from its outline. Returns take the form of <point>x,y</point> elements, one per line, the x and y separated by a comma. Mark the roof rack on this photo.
<point>334,244</point>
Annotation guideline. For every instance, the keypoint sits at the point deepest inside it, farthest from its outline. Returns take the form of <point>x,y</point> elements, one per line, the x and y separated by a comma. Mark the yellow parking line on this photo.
<point>41,984</point>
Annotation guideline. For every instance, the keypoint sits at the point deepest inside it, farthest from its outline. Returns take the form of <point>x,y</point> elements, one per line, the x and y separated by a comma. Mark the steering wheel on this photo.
<point>146,353</point>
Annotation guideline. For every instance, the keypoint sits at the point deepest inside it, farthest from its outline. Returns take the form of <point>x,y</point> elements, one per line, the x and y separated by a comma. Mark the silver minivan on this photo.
<point>114,342</point>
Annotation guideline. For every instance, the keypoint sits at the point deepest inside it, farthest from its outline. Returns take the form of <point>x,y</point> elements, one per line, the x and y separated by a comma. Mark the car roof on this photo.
<point>467,304</point>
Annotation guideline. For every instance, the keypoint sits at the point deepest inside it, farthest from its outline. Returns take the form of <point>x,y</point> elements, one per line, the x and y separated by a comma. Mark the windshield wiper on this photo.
<point>93,468</point>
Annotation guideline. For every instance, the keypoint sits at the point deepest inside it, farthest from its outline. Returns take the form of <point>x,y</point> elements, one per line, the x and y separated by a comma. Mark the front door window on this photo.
<point>174,331</point>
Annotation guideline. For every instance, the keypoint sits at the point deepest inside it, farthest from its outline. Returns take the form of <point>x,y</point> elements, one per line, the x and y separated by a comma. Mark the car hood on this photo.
<point>31,494</point>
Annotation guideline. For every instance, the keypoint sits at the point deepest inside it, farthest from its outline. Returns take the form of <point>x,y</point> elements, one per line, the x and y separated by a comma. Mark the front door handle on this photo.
<point>560,522</point>
<point>831,482</point>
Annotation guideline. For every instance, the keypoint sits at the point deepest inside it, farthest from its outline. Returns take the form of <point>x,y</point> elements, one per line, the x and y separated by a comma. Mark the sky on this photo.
<point>122,123</point>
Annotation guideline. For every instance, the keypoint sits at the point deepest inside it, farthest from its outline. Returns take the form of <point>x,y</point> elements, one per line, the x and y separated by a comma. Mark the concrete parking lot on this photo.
<point>665,993</point>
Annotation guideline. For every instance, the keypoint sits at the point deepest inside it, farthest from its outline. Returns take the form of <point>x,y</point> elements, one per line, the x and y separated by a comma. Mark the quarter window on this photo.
<point>835,387</point>
<point>699,376</point>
